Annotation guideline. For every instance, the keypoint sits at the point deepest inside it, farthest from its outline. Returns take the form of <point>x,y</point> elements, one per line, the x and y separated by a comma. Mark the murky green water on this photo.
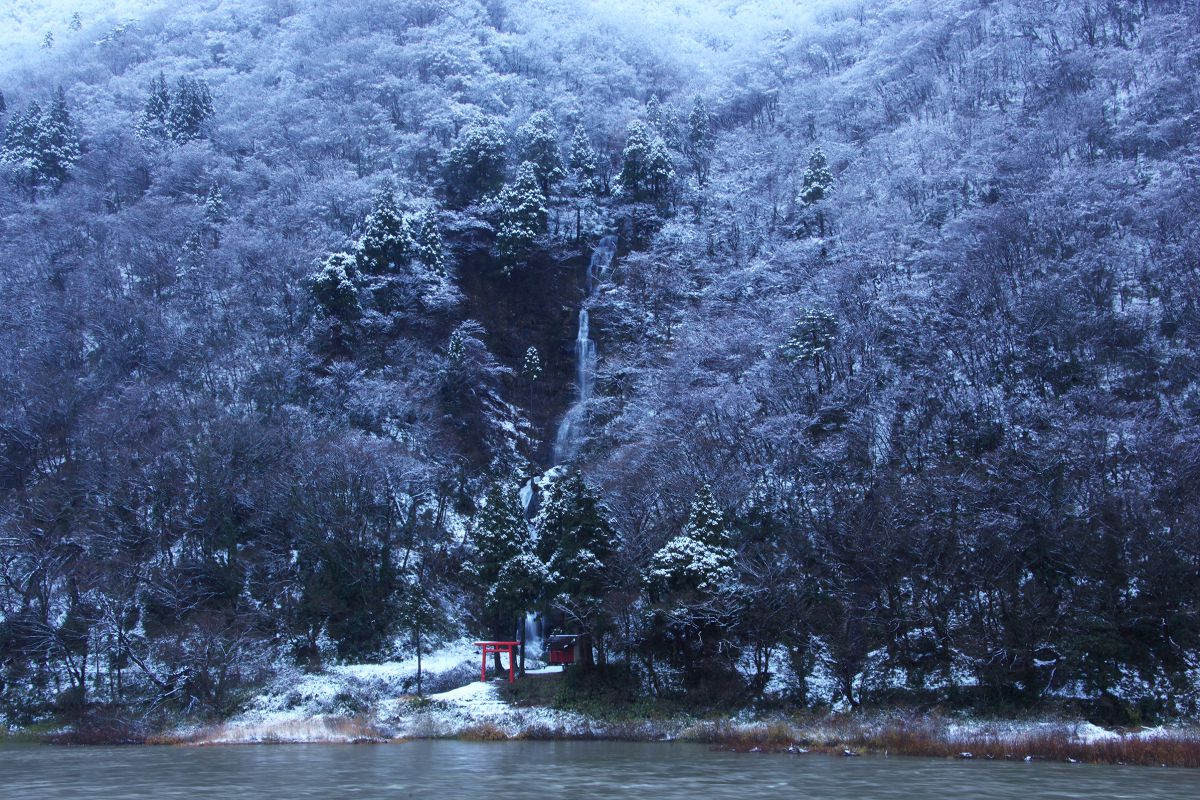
<point>451,770</point>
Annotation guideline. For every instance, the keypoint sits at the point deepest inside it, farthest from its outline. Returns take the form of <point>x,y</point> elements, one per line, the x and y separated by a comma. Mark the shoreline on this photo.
<point>837,735</point>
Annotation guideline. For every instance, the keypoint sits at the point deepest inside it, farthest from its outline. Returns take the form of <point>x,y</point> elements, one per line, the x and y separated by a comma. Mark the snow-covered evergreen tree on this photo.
<point>700,561</point>
<point>41,146</point>
<point>817,181</point>
<point>386,241</point>
<point>698,146</point>
<point>190,107</point>
<point>522,216</point>
<point>154,121</point>
<point>577,542</point>
<point>634,175</point>
<point>531,367</point>
<point>582,161</point>
<point>475,164</point>
<point>538,140</point>
<point>333,288</point>
<point>503,561</point>
<point>428,246</point>
<point>813,334</point>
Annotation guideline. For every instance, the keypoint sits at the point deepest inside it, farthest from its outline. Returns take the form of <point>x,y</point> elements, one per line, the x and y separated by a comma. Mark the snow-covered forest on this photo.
<point>890,386</point>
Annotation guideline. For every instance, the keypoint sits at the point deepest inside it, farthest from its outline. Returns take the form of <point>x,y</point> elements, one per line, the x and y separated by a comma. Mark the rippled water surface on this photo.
<point>451,769</point>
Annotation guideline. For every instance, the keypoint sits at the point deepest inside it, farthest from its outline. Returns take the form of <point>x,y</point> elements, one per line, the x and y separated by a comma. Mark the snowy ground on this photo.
<point>378,702</point>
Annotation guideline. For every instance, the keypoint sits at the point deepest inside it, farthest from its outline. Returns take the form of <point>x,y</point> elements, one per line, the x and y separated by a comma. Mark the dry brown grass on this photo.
<point>1174,749</point>
<point>483,732</point>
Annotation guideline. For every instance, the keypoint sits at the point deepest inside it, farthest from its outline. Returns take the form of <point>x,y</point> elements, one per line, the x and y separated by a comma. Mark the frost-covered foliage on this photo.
<point>910,285</point>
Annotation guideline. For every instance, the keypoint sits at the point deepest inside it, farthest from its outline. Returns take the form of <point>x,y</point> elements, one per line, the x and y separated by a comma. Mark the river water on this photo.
<point>447,770</point>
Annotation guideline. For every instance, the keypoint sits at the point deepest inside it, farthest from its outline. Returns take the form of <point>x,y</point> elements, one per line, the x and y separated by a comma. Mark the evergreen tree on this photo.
<point>817,181</point>
<point>531,367</point>
<point>21,144</point>
<point>386,242</point>
<point>522,217</point>
<point>812,336</point>
<point>539,146</point>
<point>634,176</point>
<point>41,146</point>
<point>577,543</point>
<point>815,186</point>
<point>3,104</point>
<point>334,290</point>
<point>503,560</point>
<point>76,22</point>
<point>189,108</point>
<point>700,560</point>
<point>582,161</point>
<point>456,347</point>
<point>428,246</point>
<point>693,586</point>
<point>215,214</point>
<point>58,141</point>
<point>154,122</point>
<point>661,121</point>
<point>531,370</point>
<point>214,206</point>
<point>700,141</point>
<point>48,41</point>
<point>660,172</point>
<point>475,164</point>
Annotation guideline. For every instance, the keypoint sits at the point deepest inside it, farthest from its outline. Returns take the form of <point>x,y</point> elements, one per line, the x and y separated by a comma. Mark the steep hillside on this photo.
<point>895,370</point>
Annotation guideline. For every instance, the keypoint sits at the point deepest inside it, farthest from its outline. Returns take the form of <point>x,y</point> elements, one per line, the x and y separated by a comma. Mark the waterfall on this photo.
<point>570,430</point>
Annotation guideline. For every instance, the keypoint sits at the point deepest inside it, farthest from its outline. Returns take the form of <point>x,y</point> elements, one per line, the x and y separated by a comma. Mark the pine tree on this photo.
<point>215,214</point>
<point>190,106</point>
<point>661,120</point>
<point>503,561</point>
<point>59,141</point>
<point>660,172</point>
<point>428,246</point>
<point>700,141</point>
<point>539,146</point>
<point>42,146</point>
<point>531,367</point>
<point>577,543</point>
<point>76,22</point>
<point>700,560</point>
<point>154,122</point>
<point>214,206</point>
<point>582,161</point>
<point>21,139</point>
<point>522,217</point>
<point>474,166</point>
<point>3,104</point>
<point>634,161</point>
<point>812,336</point>
<point>456,347</point>
<point>693,586</point>
<point>386,242</point>
<point>334,290</point>
<point>817,181</point>
<point>531,370</point>
<point>815,187</point>
<point>48,41</point>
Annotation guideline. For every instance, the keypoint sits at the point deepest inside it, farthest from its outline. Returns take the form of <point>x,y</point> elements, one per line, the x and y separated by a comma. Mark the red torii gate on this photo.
<point>498,647</point>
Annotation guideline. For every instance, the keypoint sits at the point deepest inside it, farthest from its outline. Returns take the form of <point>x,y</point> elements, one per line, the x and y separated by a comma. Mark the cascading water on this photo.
<point>570,430</point>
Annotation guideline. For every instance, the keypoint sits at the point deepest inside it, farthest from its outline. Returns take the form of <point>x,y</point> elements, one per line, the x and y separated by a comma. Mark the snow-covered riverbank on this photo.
<point>377,702</point>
